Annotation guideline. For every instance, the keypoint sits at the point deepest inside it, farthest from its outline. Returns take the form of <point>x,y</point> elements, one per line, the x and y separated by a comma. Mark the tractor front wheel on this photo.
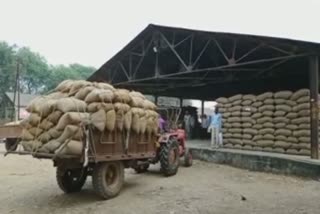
<point>11,144</point>
<point>71,180</point>
<point>108,179</point>
<point>169,157</point>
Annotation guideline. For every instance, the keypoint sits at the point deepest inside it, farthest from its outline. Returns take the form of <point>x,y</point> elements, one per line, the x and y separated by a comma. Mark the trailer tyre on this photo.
<point>11,144</point>
<point>169,157</point>
<point>71,180</point>
<point>108,179</point>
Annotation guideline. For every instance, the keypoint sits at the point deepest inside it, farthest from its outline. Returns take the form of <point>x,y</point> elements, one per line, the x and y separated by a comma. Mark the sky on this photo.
<point>91,32</point>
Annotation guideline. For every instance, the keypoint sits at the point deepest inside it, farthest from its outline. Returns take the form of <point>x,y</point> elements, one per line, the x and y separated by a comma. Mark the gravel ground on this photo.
<point>28,186</point>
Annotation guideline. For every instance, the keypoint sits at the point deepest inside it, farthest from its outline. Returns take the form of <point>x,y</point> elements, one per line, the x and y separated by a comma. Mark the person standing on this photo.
<point>204,125</point>
<point>188,124</point>
<point>215,127</point>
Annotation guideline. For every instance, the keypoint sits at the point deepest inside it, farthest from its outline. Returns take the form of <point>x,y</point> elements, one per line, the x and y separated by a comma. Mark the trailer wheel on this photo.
<point>108,179</point>
<point>11,144</point>
<point>169,157</point>
<point>71,180</point>
<point>187,158</point>
<point>141,168</point>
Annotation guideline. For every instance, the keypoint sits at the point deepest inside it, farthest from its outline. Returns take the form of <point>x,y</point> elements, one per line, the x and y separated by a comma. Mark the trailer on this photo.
<point>11,133</point>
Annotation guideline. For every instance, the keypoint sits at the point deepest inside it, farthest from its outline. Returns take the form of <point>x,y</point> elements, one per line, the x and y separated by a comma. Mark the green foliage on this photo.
<point>36,76</point>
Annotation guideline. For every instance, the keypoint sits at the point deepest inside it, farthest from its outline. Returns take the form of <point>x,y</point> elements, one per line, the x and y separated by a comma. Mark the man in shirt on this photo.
<point>204,125</point>
<point>188,124</point>
<point>215,127</point>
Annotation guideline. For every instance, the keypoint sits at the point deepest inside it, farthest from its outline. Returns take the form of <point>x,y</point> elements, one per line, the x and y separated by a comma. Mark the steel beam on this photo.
<point>249,53</point>
<point>201,53</point>
<point>221,50</point>
<point>314,111</point>
<point>124,70</point>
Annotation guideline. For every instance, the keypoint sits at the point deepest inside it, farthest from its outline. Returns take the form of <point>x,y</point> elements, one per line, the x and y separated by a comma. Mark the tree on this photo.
<point>7,67</point>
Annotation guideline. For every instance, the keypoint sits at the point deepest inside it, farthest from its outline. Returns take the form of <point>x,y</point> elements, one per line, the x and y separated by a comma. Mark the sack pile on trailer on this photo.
<point>56,121</point>
<point>274,122</point>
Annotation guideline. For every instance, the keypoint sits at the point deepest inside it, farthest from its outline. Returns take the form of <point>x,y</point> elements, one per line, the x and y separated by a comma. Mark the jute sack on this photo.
<point>301,146</point>
<point>57,95</point>
<point>71,105</point>
<point>72,118</point>
<point>70,132</point>
<point>227,125</point>
<point>304,140</point>
<point>292,115</point>
<point>64,86</point>
<point>265,143</point>
<point>282,144</point>
<point>149,105</point>
<point>73,147</point>
<point>301,120</point>
<point>249,109</point>
<point>227,105</point>
<point>247,120</point>
<point>278,150</point>
<point>257,126</point>
<point>83,92</point>
<point>264,120</point>
<point>227,135</point>
<point>250,131</point>
<point>268,101</point>
<point>267,149</point>
<point>33,119</point>
<point>283,94</point>
<point>281,138</point>
<point>235,108</point>
<point>44,137</point>
<point>268,125</point>
<point>268,137</point>
<point>220,105</point>
<point>291,103</point>
<point>235,97</point>
<point>236,113</point>
<point>222,100</point>
<point>267,113</point>
<point>122,107</point>
<point>54,133</point>
<point>304,99</point>
<point>236,125</point>
<point>279,113</point>
<point>96,106</point>
<point>266,108</point>
<point>237,135</point>
<point>137,94</point>
<point>26,135</point>
<point>304,152</point>
<point>245,114</point>
<point>246,125</point>
<point>228,145</point>
<point>226,114</point>
<point>292,139</point>
<point>302,106</point>
<point>122,95</point>
<point>30,146</point>
<point>235,130</point>
<point>143,124</point>
<point>247,147</point>
<point>280,125</point>
<point>54,117</point>
<point>256,115</point>
<point>249,97</point>
<point>279,101</point>
<point>42,105</point>
<point>46,124</point>
<point>77,85</point>
<point>285,132</point>
<point>98,119</point>
<point>257,104</point>
<point>135,123</point>
<point>296,95</point>
<point>237,146</point>
<point>247,136</point>
<point>235,141</point>
<point>292,127</point>
<point>249,142</point>
<point>257,148</point>
<point>103,85</point>
<point>35,131</point>
<point>304,126</point>
<point>100,95</point>
<point>281,120</point>
<point>257,137</point>
<point>234,119</point>
<point>50,147</point>
<point>236,103</point>
<point>304,113</point>
<point>264,96</point>
<point>266,131</point>
<point>285,108</point>
<point>302,133</point>
<point>292,151</point>
<point>246,102</point>
<point>137,102</point>
<point>128,121</point>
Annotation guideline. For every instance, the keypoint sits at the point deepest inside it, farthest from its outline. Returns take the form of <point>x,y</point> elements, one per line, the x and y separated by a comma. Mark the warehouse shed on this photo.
<point>194,64</point>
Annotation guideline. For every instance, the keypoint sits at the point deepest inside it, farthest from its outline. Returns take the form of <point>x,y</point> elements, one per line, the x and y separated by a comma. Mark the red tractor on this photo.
<point>171,143</point>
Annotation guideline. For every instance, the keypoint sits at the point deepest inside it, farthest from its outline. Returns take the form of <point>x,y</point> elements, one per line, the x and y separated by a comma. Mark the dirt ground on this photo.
<point>28,186</point>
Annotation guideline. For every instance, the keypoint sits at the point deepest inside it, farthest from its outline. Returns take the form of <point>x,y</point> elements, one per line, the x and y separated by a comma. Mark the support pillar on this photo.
<point>314,116</point>
<point>202,107</point>
<point>181,102</point>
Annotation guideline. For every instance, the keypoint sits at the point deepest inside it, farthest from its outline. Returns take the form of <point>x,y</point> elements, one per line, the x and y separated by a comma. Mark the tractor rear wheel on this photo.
<point>187,158</point>
<point>108,179</point>
<point>169,157</point>
<point>71,180</point>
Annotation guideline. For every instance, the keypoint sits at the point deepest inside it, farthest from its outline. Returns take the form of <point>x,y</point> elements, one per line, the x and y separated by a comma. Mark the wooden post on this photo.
<point>314,117</point>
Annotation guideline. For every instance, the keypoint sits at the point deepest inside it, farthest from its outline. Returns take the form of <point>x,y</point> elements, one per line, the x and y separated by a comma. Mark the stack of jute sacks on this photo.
<point>56,122</point>
<point>274,122</point>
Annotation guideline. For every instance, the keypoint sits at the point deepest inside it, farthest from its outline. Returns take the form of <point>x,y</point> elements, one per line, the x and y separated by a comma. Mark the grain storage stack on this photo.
<point>224,106</point>
<point>234,120</point>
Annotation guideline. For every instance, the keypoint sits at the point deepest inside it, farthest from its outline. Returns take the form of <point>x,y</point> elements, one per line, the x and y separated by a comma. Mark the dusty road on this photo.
<point>28,186</point>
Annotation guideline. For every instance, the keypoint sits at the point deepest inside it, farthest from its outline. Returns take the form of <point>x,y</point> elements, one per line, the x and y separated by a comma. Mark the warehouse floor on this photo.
<point>28,186</point>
